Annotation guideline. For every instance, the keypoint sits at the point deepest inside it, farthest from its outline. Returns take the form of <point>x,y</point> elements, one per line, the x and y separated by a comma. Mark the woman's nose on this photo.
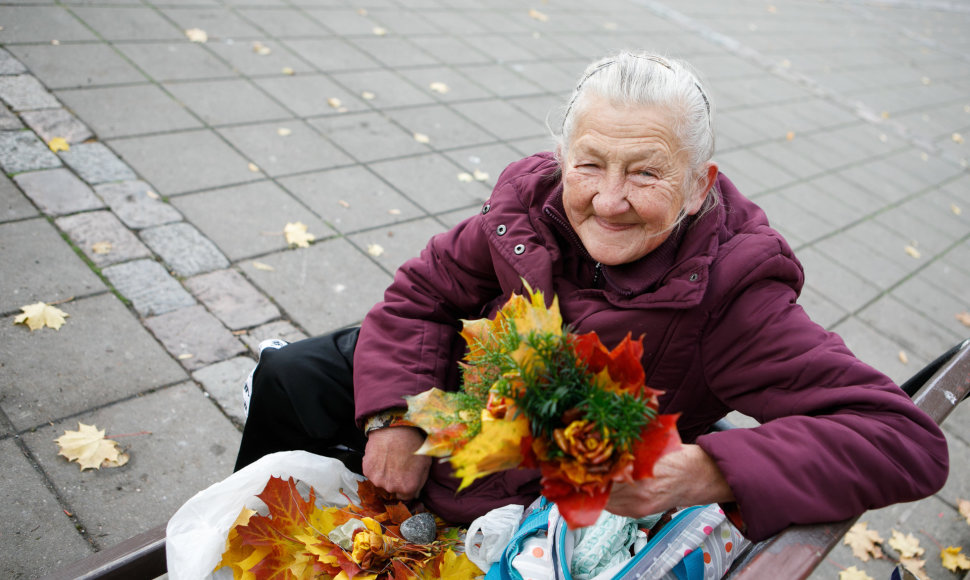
<point>611,197</point>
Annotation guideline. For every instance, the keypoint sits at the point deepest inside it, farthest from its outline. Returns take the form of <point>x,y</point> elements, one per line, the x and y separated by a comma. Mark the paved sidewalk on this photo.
<point>844,119</point>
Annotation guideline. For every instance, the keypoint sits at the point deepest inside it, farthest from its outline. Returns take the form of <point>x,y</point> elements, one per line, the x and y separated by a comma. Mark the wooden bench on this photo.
<point>792,554</point>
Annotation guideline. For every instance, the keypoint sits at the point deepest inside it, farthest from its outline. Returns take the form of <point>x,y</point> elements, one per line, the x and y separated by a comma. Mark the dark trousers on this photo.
<point>303,399</point>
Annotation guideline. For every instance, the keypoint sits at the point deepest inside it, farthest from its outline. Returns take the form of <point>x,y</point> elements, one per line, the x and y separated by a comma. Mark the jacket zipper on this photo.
<point>568,230</point>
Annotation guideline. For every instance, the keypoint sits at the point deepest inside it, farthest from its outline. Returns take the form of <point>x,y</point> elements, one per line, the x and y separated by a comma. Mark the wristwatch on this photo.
<point>389,418</point>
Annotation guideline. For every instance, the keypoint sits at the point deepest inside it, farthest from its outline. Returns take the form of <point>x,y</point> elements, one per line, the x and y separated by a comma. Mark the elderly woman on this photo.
<point>633,227</point>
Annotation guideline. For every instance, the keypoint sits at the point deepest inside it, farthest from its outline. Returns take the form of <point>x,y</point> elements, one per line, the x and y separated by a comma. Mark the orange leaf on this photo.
<point>580,508</point>
<point>658,438</point>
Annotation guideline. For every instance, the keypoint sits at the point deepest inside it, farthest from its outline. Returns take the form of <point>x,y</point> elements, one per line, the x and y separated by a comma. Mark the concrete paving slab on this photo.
<point>227,102</point>
<point>136,204</point>
<point>38,537</point>
<point>95,163</point>
<point>391,246</point>
<point>58,191</point>
<point>64,66</point>
<point>388,87</point>
<point>283,22</point>
<point>109,110</point>
<point>343,20</point>
<point>149,287</point>
<point>247,220</point>
<point>41,24</point>
<point>232,299</point>
<point>835,281</point>
<point>485,159</point>
<point>821,309</point>
<point>301,150</point>
<point>369,136</point>
<point>25,93</point>
<point>51,123</point>
<point>502,81</point>
<point>184,249</point>
<point>308,95</point>
<point>172,61</point>
<point>460,86</point>
<point>501,119</point>
<point>189,446</point>
<point>350,198</point>
<point>223,381</point>
<point>194,337</point>
<point>328,285</point>
<point>220,23</point>
<point>186,161</point>
<point>431,181</point>
<point>10,65</point>
<point>9,121</point>
<point>100,355</point>
<point>331,54</point>
<point>13,204</point>
<point>23,151</point>
<point>880,351</point>
<point>37,265</point>
<point>280,329</point>
<point>103,238</point>
<point>242,58</point>
<point>909,328</point>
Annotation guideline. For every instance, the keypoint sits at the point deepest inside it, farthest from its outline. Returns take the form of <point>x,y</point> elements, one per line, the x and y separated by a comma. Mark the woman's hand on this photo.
<point>390,462</point>
<point>683,478</point>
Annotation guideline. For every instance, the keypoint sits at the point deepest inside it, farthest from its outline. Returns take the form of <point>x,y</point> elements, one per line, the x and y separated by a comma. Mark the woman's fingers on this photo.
<point>390,462</point>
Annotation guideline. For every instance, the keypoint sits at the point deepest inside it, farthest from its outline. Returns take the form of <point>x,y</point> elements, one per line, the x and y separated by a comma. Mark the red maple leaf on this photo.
<point>660,436</point>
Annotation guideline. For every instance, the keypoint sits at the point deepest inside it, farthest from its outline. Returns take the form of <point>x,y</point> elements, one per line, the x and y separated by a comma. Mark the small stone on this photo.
<point>420,529</point>
<point>95,163</point>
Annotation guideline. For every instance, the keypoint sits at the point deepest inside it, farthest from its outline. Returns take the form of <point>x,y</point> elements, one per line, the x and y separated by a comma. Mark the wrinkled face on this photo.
<point>625,180</point>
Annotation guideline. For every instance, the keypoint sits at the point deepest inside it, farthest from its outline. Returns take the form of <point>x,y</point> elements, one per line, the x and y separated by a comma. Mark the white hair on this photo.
<point>644,79</point>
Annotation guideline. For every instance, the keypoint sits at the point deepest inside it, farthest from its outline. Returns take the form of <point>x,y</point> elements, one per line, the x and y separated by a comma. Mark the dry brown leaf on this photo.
<point>465,177</point>
<point>913,252</point>
<point>56,42</point>
<point>953,560</point>
<point>863,541</point>
<point>263,267</point>
<point>422,138</point>
<point>41,314</point>
<point>853,573</point>
<point>253,167</point>
<point>957,138</point>
<point>334,102</point>
<point>925,80</point>
<point>611,25</point>
<point>368,96</point>
<point>362,11</point>
<point>907,545</point>
<point>533,13</point>
<point>790,135</point>
<point>964,318</point>
<point>479,175</point>
<point>261,49</point>
<point>284,132</point>
<point>185,356</point>
<point>101,247</point>
<point>903,358</point>
<point>89,448</point>
<point>963,506</point>
<point>916,567</point>
<point>375,250</point>
<point>924,156</point>
<point>394,211</point>
<point>883,137</point>
<point>288,71</point>
<point>772,9</point>
<point>439,87</point>
<point>955,209</point>
<point>884,114</point>
<point>343,203</point>
<point>297,235</point>
<point>379,31</point>
<point>59,144</point>
<point>197,35</point>
<point>152,195</point>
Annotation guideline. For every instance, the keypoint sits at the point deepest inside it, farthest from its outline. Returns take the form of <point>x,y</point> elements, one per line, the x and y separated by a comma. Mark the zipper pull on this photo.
<point>596,275</point>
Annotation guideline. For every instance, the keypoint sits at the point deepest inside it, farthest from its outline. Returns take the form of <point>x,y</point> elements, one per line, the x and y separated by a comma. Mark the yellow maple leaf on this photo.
<point>41,314</point>
<point>963,505</point>
<point>907,545</point>
<point>197,35</point>
<point>90,449</point>
<point>58,144</point>
<point>863,541</point>
<point>457,567</point>
<point>853,573</point>
<point>535,14</point>
<point>104,247</point>
<point>496,448</point>
<point>952,559</point>
<point>916,567</point>
<point>297,235</point>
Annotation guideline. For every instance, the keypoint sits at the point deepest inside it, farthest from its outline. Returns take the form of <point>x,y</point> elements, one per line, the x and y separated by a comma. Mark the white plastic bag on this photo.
<point>196,535</point>
<point>489,534</point>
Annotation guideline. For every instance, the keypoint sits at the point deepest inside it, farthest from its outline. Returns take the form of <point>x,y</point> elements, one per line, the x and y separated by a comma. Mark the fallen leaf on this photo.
<point>479,175</point>
<point>786,63</point>
<point>610,25</point>
<point>924,156</point>
<point>101,247</point>
<point>883,137</point>
<point>863,541</point>
<point>185,356</point>
<point>296,234</point>
<point>334,102</point>
<point>925,80</point>
<point>963,506</point>
<point>394,211</point>
<point>465,177</point>
<point>957,138</point>
<point>343,203</point>
<point>263,267</point>
<point>56,42</point>
<point>261,49</point>
<point>283,132</point>
<point>533,13</point>
<point>884,114</point>
<point>439,87</point>
<point>368,96</point>
<point>853,573</point>
<point>89,448</point>
<point>362,11</point>
<point>964,318</point>
<point>955,209</point>
<point>288,71</point>
<point>379,31</point>
<point>907,545</point>
<point>59,144</point>
<point>790,135</point>
<point>953,560</point>
<point>197,35</point>
<point>422,138</point>
<point>41,314</point>
<point>152,195</point>
<point>772,9</point>
<point>913,252</point>
<point>253,167</point>
<point>375,250</point>
<point>903,358</point>
<point>916,567</point>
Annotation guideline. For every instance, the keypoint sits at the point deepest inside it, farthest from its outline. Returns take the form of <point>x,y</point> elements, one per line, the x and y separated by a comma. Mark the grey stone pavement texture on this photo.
<point>844,119</point>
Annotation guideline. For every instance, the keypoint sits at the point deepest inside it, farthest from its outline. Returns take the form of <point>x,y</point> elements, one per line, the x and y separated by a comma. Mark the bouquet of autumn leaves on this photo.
<point>536,395</point>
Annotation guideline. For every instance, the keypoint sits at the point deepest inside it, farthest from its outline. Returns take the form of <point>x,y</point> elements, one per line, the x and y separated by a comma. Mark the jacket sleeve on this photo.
<point>837,437</point>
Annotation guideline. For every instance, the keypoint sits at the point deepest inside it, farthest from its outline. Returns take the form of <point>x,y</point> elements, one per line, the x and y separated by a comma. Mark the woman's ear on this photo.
<point>702,186</point>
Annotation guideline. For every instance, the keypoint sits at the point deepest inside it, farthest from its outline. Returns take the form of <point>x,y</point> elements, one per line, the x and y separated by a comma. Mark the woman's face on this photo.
<point>625,178</point>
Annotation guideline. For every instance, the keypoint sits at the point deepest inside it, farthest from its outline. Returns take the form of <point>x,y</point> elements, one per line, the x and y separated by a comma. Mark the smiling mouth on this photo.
<point>613,226</point>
